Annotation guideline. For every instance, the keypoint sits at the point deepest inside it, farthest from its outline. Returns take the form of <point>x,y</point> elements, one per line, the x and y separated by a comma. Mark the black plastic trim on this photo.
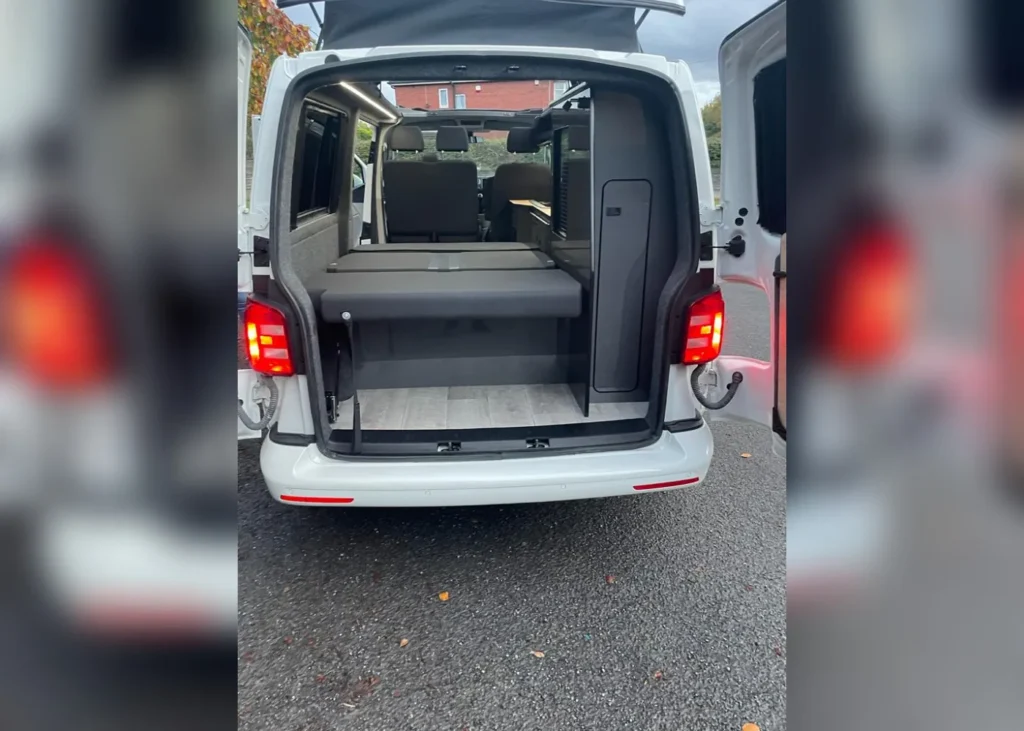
<point>496,443</point>
<point>290,440</point>
<point>684,425</point>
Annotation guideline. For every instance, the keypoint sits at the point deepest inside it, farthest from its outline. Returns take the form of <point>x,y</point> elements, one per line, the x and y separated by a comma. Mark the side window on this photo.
<point>442,98</point>
<point>315,181</point>
<point>460,101</point>
<point>561,87</point>
<point>770,145</point>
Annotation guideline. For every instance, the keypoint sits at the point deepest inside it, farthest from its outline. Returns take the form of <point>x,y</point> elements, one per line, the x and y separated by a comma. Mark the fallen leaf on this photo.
<point>778,651</point>
<point>287,640</point>
<point>587,637</point>
<point>310,642</point>
<point>609,579</point>
<point>396,694</point>
<point>248,656</point>
<point>748,587</point>
<point>751,727</point>
<point>443,596</point>
<point>745,455</point>
<point>403,643</point>
<point>658,675</point>
<point>321,678</point>
<point>537,653</point>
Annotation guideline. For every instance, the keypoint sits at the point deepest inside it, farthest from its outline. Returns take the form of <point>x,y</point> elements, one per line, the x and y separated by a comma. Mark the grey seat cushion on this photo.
<point>446,295</point>
<point>411,261</point>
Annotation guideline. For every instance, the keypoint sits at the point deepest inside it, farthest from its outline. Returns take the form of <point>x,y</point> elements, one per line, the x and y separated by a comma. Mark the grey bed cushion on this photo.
<point>413,261</point>
<point>447,247</point>
<point>446,295</point>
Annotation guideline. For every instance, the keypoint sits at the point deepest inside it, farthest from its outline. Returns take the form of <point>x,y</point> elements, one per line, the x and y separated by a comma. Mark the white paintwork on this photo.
<point>305,471</point>
<point>246,381</point>
<point>140,561</point>
<point>245,247</point>
<point>757,45</point>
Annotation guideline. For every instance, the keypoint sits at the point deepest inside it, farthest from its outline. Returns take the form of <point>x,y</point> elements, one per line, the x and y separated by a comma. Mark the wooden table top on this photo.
<point>536,205</point>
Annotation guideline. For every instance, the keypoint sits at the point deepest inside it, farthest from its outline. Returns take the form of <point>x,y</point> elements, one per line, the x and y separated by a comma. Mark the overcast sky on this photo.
<point>694,38</point>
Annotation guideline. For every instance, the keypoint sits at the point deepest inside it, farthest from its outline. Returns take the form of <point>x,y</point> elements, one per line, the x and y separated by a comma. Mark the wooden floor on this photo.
<point>477,407</point>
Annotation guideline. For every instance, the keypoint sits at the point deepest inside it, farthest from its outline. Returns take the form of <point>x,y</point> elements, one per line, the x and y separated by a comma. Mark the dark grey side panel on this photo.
<point>477,352</point>
<point>622,266</point>
<point>313,246</point>
<point>635,247</point>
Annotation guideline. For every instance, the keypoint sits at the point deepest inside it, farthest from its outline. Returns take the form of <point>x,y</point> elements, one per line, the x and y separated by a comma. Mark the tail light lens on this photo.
<point>704,327</point>
<point>869,307</point>
<point>56,329</point>
<point>266,335</point>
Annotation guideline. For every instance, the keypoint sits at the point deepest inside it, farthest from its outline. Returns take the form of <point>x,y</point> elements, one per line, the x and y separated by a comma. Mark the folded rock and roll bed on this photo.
<point>427,283</point>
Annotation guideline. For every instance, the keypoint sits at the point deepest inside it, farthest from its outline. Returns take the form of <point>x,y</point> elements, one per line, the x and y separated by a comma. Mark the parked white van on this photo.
<point>551,334</point>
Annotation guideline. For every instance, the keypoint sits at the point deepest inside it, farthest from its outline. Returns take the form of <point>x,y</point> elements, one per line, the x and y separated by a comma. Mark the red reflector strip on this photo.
<point>674,483</point>
<point>322,500</point>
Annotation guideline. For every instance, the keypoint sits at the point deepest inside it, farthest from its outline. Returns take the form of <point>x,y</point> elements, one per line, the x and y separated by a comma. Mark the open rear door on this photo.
<point>246,378</point>
<point>244,239</point>
<point>752,71</point>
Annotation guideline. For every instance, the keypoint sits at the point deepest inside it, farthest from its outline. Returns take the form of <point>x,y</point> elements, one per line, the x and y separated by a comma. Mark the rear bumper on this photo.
<point>134,575</point>
<point>303,475</point>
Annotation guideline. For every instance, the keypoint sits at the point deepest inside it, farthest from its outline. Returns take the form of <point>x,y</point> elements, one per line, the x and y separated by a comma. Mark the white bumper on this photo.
<point>304,476</point>
<point>134,573</point>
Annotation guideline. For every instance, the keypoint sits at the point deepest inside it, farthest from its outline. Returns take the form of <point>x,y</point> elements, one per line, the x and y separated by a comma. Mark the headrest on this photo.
<point>452,139</point>
<point>429,157</point>
<point>406,139</point>
<point>520,140</point>
<point>578,137</point>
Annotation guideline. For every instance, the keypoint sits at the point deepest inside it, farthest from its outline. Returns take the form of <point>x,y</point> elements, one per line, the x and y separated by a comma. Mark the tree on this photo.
<point>273,34</point>
<point>711,113</point>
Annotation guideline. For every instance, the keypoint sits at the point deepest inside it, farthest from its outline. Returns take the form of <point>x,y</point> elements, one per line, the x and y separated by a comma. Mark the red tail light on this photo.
<point>266,334</point>
<point>869,307</point>
<point>53,318</point>
<point>704,327</point>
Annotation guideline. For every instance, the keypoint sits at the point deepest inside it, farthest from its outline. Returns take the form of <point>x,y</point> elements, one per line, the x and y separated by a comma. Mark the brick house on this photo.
<point>529,94</point>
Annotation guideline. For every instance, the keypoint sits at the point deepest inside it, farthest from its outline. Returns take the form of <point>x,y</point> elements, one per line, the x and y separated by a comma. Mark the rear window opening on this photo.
<point>503,293</point>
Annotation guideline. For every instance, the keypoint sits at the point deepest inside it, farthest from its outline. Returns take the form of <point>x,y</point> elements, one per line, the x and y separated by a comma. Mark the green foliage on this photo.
<point>273,34</point>
<point>715,150</point>
<point>711,114</point>
<point>364,141</point>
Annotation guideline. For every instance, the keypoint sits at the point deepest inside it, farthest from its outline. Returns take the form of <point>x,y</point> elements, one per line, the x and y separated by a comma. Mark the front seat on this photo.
<point>457,210</point>
<point>515,181</point>
<point>407,190</point>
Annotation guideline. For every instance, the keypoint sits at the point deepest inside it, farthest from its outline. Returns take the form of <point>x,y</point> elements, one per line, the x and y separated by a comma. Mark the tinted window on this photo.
<point>314,186</point>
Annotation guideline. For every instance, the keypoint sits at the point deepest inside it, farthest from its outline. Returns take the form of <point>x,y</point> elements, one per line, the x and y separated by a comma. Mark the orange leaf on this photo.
<point>403,643</point>
<point>751,727</point>
<point>745,455</point>
<point>537,653</point>
<point>443,596</point>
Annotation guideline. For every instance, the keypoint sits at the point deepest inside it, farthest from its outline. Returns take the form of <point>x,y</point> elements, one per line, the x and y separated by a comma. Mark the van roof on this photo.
<point>361,24</point>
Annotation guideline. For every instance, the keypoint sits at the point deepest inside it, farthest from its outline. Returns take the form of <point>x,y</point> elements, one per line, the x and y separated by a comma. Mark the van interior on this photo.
<point>507,281</point>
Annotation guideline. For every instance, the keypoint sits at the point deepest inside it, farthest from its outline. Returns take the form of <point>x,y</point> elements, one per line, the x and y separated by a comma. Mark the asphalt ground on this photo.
<point>662,611</point>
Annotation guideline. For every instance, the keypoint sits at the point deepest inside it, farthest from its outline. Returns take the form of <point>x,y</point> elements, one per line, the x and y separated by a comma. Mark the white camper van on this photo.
<point>548,331</point>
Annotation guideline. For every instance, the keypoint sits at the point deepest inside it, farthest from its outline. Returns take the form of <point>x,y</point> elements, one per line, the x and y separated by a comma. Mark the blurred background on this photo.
<point>117,358</point>
<point>117,439</point>
<point>904,524</point>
